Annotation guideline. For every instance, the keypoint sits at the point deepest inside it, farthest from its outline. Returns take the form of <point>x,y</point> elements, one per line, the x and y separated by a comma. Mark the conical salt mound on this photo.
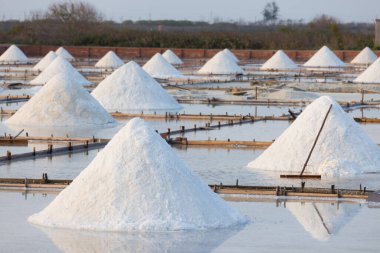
<point>172,58</point>
<point>279,61</point>
<point>45,62</point>
<point>325,58</point>
<point>158,67</point>
<point>137,183</point>
<point>61,102</point>
<point>109,61</point>
<point>13,55</point>
<point>371,74</point>
<point>57,66</point>
<point>366,56</point>
<point>221,64</point>
<point>323,220</point>
<point>130,88</point>
<point>65,54</point>
<point>230,54</point>
<point>342,148</point>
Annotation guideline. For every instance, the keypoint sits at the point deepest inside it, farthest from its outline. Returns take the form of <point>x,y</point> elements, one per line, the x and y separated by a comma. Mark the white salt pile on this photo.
<point>64,53</point>
<point>57,66</point>
<point>109,61</point>
<point>172,58</point>
<point>371,74</point>
<point>158,67</point>
<point>324,58</point>
<point>289,94</point>
<point>231,55</point>
<point>366,56</point>
<point>221,64</point>
<point>45,61</point>
<point>130,88</point>
<point>13,55</point>
<point>137,183</point>
<point>342,149</point>
<point>61,102</point>
<point>322,220</point>
<point>279,61</point>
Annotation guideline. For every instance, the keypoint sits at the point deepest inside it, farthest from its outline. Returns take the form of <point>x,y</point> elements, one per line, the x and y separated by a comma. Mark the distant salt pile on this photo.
<point>279,61</point>
<point>342,149</point>
<point>158,67</point>
<point>130,88</point>
<point>323,220</point>
<point>172,58</point>
<point>61,102</point>
<point>221,64</point>
<point>365,57</point>
<point>230,54</point>
<point>324,58</point>
<point>371,74</point>
<point>137,183</point>
<point>13,55</point>
<point>109,61</point>
<point>65,54</point>
<point>60,65</point>
<point>288,94</point>
<point>45,61</point>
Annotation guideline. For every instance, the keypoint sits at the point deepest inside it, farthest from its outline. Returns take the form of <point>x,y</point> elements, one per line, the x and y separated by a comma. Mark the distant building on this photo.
<point>377,33</point>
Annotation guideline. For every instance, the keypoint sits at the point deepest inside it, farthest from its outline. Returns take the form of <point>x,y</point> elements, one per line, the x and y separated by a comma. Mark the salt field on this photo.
<point>195,172</point>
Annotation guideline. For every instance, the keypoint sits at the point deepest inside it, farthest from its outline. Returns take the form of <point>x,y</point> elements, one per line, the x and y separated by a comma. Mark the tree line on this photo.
<point>81,24</point>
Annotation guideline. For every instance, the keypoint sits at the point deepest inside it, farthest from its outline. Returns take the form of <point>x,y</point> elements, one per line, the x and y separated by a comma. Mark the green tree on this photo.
<point>270,12</point>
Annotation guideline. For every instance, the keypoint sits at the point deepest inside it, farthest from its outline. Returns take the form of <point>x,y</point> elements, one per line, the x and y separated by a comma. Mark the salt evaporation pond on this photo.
<point>353,232</point>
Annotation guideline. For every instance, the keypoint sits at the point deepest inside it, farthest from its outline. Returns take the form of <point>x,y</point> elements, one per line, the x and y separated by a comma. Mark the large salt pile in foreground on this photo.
<point>221,64</point>
<point>57,66</point>
<point>130,88</point>
<point>64,53</point>
<point>45,62</point>
<point>279,61</point>
<point>231,55</point>
<point>109,61</point>
<point>366,56</point>
<point>13,55</point>
<point>323,220</point>
<point>172,58</point>
<point>342,148</point>
<point>324,58</point>
<point>371,74</point>
<point>158,67</point>
<point>61,102</point>
<point>137,183</point>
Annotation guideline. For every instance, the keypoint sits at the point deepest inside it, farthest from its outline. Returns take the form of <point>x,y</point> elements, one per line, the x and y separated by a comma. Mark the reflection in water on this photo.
<point>322,220</point>
<point>76,241</point>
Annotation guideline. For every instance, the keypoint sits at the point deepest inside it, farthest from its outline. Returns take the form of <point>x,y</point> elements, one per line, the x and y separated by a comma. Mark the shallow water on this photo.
<point>275,225</point>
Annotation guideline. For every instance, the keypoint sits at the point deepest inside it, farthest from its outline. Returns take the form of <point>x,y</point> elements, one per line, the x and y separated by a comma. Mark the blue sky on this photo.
<point>249,10</point>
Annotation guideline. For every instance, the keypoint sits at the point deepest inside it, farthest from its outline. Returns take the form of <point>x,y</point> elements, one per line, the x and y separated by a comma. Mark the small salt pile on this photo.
<point>13,55</point>
<point>371,74</point>
<point>137,183</point>
<point>158,67</point>
<point>60,65</point>
<point>342,149</point>
<point>45,61</point>
<point>324,58</point>
<point>109,61</point>
<point>65,54</point>
<point>172,58</point>
<point>231,55</point>
<point>279,61</point>
<point>61,102</point>
<point>365,57</point>
<point>323,220</point>
<point>130,88</point>
<point>221,64</point>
